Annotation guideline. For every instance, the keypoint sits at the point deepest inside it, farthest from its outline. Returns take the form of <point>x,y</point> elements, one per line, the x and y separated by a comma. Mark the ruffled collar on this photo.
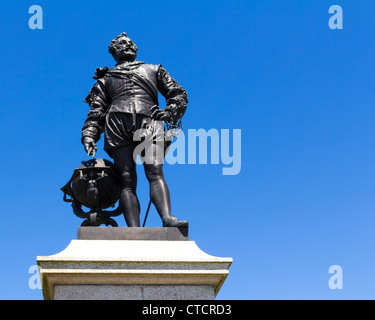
<point>128,65</point>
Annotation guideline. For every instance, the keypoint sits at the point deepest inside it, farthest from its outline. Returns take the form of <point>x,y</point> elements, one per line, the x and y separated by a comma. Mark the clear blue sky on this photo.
<point>302,94</point>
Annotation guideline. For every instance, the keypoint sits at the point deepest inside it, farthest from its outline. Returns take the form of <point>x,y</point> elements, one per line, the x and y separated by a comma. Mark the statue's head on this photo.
<point>123,48</point>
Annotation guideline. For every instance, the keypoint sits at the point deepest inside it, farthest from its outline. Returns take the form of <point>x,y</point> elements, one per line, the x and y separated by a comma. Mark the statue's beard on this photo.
<point>126,55</point>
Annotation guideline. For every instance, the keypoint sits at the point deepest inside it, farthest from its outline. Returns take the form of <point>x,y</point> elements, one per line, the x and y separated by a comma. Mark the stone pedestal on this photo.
<point>132,269</point>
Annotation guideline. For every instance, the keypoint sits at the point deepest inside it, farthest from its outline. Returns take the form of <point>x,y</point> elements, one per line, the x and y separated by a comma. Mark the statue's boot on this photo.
<point>172,221</point>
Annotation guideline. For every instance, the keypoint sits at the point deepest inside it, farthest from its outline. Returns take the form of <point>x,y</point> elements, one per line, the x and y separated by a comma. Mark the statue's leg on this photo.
<point>159,192</point>
<point>123,158</point>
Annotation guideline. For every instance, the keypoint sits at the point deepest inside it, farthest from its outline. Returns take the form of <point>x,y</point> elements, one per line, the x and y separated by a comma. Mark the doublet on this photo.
<point>131,88</point>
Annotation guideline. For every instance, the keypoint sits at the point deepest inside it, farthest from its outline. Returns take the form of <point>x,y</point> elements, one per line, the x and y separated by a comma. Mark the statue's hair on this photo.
<point>111,47</point>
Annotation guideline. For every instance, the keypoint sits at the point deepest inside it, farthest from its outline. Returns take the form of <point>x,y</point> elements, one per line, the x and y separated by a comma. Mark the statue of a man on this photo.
<point>124,100</point>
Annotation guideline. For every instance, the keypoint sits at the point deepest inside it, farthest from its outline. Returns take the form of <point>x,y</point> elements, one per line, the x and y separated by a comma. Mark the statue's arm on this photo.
<point>99,102</point>
<point>175,95</point>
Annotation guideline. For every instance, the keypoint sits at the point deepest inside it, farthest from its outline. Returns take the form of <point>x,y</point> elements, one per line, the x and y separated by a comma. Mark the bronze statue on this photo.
<point>123,101</point>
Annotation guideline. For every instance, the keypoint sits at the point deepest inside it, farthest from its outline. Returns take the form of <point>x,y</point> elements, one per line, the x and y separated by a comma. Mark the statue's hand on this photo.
<point>159,114</point>
<point>176,111</point>
<point>90,146</point>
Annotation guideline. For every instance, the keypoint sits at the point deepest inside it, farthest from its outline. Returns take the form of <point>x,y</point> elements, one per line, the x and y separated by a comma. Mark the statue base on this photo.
<point>158,234</point>
<point>105,264</point>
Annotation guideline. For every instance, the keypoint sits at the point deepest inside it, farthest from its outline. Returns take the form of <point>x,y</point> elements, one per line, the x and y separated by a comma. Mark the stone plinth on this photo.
<point>164,234</point>
<point>132,270</point>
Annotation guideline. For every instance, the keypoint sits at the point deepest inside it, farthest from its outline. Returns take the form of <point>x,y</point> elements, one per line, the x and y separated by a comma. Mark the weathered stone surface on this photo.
<point>132,269</point>
<point>158,234</point>
<point>133,292</point>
